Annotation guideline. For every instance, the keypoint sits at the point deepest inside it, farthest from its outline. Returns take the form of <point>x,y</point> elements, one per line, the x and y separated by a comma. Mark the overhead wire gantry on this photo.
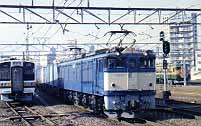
<point>92,15</point>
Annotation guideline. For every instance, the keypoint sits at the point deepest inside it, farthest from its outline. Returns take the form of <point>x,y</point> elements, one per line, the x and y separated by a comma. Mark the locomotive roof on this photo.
<point>102,55</point>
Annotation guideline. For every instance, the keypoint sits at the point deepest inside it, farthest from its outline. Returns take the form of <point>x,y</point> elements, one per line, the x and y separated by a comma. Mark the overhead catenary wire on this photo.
<point>70,44</point>
<point>54,34</point>
<point>38,29</point>
<point>66,20</point>
<point>57,17</point>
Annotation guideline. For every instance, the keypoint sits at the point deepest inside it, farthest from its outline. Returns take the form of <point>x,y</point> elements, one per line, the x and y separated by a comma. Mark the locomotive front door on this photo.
<point>132,77</point>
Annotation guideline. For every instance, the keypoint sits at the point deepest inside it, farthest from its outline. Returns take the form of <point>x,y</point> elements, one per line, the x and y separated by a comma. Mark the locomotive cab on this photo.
<point>129,81</point>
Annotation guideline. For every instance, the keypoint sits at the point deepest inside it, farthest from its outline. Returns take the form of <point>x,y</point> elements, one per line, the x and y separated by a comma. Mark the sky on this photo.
<point>84,33</point>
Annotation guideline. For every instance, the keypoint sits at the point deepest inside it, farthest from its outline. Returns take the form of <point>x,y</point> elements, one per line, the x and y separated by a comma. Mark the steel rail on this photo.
<point>41,116</point>
<point>18,114</point>
<point>35,114</point>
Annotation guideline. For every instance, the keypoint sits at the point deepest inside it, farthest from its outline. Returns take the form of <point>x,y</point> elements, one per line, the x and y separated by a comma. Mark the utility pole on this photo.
<point>184,49</point>
<point>27,43</point>
<point>32,3</point>
<point>88,3</point>
<point>184,64</point>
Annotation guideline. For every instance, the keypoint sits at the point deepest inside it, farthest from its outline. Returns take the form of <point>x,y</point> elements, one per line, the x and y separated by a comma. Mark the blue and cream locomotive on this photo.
<point>122,80</point>
<point>17,80</point>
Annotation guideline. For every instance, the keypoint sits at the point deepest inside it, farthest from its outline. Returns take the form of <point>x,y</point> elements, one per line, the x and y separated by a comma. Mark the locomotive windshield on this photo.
<point>131,62</point>
<point>115,62</point>
<point>147,62</point>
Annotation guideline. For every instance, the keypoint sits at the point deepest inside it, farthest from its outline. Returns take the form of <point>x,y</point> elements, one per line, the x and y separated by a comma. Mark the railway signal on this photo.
<point>166,47</point>
<point>165,64</point>
<point>166,44</point>
<point>162,36</point>
<point>166,51</point>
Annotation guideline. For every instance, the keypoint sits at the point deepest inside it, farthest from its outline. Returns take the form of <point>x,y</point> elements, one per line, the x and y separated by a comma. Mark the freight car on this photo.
<point>17,80</point>
<point>121,80</point>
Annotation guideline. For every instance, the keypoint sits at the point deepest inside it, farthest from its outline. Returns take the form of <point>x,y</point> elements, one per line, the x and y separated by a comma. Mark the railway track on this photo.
<point>161,116</point>
<point>141,121</point>
<point>158,117</point>
<point>182,107</point>
<point>27,115</point>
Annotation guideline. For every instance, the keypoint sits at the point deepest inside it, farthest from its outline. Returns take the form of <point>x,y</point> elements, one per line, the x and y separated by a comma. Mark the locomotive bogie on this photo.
<point>129,100</point>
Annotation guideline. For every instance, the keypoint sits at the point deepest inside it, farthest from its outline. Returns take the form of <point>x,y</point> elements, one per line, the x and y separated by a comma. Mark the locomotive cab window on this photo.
<point>147,63</point>
<point>152,63</point>
<point>114,62</point>
<point>143,62</point>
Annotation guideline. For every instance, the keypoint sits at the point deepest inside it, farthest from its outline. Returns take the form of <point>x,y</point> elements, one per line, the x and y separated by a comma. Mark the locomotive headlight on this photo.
<point>145,53</point>
<point>116,105</point>
<point>113,84</point>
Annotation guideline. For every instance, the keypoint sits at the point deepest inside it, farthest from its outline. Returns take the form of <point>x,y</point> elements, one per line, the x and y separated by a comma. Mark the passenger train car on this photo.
<point>115,81</point>
<point>175,74</point>
<point>17,80</point>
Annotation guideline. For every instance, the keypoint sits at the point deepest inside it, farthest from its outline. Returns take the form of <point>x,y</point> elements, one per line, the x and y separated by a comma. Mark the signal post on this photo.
<point>166,50</point>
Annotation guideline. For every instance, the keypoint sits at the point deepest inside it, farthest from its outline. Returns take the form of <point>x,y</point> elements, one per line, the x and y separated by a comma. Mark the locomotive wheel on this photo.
<point>97,104</point>
<point>80,97</point>
<point>85,101</point>
<point>70,97</point>
<point>76,98</point>
<point>66,98</point>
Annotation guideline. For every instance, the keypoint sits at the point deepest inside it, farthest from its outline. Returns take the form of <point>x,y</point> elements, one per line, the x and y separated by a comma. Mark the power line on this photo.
<point>66,20</point>
<point>70,44</point>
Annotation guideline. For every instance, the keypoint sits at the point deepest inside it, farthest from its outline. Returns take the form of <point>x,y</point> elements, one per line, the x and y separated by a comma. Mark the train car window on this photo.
<point>4,74</point>
<point>28,71</point>
<point>5,71</point>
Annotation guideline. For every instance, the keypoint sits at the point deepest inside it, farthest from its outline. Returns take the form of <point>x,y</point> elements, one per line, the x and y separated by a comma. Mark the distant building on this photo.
<point>51,56</point>
<point>198,60</point>
<point>196,70</point>
<point>183,39</point>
